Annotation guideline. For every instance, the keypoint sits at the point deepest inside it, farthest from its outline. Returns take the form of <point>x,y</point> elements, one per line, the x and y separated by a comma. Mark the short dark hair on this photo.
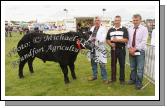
<point>117,16</point>
<point>137,15</point>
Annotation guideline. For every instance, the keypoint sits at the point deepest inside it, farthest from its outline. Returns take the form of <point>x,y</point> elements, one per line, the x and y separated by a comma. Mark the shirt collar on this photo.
<point>119,27</point>
<point>138,26</point>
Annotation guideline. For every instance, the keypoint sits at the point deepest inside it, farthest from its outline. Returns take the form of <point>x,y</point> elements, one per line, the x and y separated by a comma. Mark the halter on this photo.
<point>78,44</point>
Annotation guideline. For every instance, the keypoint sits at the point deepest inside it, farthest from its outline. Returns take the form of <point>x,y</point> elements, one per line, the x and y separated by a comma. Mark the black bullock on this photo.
<point>62,48</point>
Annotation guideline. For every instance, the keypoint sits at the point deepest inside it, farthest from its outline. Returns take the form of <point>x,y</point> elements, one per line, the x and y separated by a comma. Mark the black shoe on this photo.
<point>105,81</point>
<point>122,82</point>
<point>92,78</point>
<point>112,81</point>
<point>138,87</point>
<point>131,82</point>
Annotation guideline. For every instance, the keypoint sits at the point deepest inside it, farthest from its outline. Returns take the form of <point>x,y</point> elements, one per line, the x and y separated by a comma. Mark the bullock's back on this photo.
<point>49,47</point>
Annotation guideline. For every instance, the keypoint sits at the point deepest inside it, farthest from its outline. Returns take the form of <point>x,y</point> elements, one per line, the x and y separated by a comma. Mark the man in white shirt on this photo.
<point>137,45</point>
<point>97,53</point>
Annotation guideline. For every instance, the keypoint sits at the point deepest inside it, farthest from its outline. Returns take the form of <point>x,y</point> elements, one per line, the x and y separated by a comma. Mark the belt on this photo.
<point>122,47</point>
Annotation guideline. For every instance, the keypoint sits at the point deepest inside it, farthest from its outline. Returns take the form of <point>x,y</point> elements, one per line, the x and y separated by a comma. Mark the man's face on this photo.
<point>117,21</point>
<point>136,21</point>
<point>97,22</point>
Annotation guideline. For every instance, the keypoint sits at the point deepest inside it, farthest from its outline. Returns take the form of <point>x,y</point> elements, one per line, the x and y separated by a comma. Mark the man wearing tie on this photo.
<point>137,45</point>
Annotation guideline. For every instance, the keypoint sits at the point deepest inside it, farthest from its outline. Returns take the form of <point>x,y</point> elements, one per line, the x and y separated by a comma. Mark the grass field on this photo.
<point>48,79</point>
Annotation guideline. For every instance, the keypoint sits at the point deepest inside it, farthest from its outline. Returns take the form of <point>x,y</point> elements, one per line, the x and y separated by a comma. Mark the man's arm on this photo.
<point>124,40</point>
<point>109,42</point>
<point>125,37</point>
<point>108,39</point>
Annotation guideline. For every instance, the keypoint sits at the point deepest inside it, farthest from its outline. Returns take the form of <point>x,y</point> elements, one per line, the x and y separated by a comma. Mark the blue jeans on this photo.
<point>102,67</point>
<point>137,67</point>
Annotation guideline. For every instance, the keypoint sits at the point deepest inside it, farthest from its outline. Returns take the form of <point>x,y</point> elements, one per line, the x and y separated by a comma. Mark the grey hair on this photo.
<point>97,17</point>
<point>137,15</point>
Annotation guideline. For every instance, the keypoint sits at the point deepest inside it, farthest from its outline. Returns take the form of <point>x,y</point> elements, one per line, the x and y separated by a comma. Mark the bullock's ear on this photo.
<point>78,34</point>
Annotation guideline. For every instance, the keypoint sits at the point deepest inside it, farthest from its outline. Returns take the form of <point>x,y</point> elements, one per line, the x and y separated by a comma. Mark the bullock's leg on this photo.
<point>21,66</point>
<point>30,65</point>
<point>65,72</point>
<point>72,68</point>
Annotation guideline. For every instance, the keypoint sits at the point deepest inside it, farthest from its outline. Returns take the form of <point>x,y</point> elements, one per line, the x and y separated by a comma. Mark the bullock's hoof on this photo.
<point>67,82</point>
<point>21,77</point>
<point>75,78</point>
<point>31,73</point>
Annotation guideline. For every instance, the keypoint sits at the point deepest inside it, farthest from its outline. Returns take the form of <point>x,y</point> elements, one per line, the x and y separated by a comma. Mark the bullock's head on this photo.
<point>84,33</point>
<point>83,36</point>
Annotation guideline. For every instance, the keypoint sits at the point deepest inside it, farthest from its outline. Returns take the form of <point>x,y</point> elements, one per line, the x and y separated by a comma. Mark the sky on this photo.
<point>55,12</point>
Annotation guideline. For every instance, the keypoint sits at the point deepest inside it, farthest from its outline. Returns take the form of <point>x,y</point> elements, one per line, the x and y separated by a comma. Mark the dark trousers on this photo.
<point>118,53</point>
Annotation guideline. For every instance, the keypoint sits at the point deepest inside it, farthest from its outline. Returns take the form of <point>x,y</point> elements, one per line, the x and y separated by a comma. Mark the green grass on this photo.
<point>48,79</point>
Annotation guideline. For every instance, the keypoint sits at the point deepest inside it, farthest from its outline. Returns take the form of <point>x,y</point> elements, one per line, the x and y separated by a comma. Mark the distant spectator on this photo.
<point>20,30</point>
<point>10,31</point>
<point>6,30</point>
<point>78,27</point>
<point>153,37</point>
<point>36,29</point>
